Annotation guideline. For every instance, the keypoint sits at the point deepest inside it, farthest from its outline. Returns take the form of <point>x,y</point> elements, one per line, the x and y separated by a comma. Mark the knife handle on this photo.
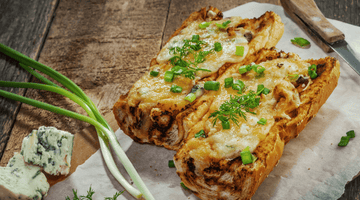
<point>307,15</point>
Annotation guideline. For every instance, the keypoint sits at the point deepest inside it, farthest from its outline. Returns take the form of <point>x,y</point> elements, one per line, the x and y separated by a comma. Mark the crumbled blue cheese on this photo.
<point>50,148</point>
<point>21,181</point>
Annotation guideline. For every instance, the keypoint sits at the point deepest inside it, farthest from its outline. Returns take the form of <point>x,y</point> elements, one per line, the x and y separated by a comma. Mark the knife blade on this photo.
<point>308,16</point>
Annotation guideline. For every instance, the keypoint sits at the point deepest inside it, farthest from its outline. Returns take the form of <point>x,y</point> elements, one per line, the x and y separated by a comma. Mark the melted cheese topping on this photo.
<point>152,90</point>
<point>228,143</point>
<point>210,35</point>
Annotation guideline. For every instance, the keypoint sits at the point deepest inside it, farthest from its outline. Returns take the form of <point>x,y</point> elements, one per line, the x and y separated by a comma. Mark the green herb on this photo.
<point>223,25</point>
<point>116,195</point>
<point>217,46</point>
<point>238,85</point>
<point>171,164</point>
<point>300,41</point>
<point>262,89</point>
<point>351,133</point>
<point>201,133</point>
<point>239,50</point>
<point>183,185</point>
<point>246,156</point>
<point>293,77</point>
<point>105,133</point>
<point>258,68</point>
<point>262,121</point>
<point>312,71</point>
<point>228,82</point>
<point>212,85</point>
<point>204,25</point>
<point>176,89</point>
<point>190,47</point>
<point>154,73</point>
<point>225,124</point>
<point>89,195</point>
<point>245,68</point>
<point>169,76</point>
<point>190,97</point>
<point>345,139</point>
<point>236,107</point>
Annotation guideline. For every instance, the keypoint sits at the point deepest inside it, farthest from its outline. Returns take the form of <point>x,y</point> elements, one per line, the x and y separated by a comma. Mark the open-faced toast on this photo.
<point>210,163</point>
<point>151,112</point>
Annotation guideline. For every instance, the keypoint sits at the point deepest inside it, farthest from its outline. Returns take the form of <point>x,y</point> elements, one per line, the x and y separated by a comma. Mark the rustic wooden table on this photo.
<point>104,46</point>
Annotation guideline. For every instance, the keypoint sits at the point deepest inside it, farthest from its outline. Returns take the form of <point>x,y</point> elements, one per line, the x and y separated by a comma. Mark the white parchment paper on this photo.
<point>312,165</point>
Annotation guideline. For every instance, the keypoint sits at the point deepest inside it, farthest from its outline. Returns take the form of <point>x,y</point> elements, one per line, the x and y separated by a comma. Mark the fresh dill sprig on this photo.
<point>116,195</point>
<point>236,107</point>
<point>89,195</point>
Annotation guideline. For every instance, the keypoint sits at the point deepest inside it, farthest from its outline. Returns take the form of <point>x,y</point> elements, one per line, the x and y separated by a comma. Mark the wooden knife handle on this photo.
<point>307,15</point>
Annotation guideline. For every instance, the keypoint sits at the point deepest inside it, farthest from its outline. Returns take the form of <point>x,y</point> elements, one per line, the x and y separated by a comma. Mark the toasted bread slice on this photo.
<point>151,113</point>
<point>211,166</point>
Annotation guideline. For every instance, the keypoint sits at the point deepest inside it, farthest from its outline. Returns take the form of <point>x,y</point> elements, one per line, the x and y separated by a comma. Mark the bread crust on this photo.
<point>167,127</point>
<point>221,178</point>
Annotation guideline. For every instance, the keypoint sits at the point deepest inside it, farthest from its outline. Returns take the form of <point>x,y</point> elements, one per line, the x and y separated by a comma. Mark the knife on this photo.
<point>308,16</point>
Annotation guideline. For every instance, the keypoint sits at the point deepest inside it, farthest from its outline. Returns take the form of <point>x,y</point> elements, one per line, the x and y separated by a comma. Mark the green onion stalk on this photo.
<point>105,133</point>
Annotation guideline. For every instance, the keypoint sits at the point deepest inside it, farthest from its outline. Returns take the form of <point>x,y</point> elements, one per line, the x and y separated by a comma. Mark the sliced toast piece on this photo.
<point>151,113</point>
<point>211,166</point>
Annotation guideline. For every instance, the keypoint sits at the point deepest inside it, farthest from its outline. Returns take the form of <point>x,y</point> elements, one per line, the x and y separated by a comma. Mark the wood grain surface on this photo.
<point>104,46</point>
<point>23,27</point>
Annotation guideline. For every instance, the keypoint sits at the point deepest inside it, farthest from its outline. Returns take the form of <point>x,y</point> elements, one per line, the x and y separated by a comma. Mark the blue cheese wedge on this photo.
<point>49,148</point>
<point>21,181</point>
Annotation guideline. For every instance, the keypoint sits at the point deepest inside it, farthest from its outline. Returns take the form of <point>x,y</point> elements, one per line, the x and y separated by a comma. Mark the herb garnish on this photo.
<point>235,107</point>
<point>293,77</point>
<point>90,193</point>
<point>191,49</point>
<point>223,25</point>
<point>201,133</point>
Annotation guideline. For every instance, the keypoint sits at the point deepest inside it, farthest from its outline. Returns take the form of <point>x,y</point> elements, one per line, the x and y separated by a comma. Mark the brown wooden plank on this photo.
<point>24,25</point>
<point>344,10</point>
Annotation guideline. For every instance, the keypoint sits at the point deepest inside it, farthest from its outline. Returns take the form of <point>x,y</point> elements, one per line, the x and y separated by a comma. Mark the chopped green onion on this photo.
<point>190,97</point>
<point>312,71</point>
<point>246,156</point>
<point>245,68</point>
<point>293,77</point>
<point>266,91</point>
<point>169,76</point>
<point>223,25</point>
<point>225,124</point>
<point>238,85</point>
<point>258,68</point>
<point>212,85</point>
<point>195,38</point>
<point>204,25</point>
<point>217,46</point>
<point>300,41</point>
<point>239,50</point>
<point>201,133</point>
<point>351,134</point>
<point>154,73</point>
<point>171,164</point>
<point>177,70</point>
<point>228,82</point>
<point>176,89</point>
<point>262,89</point>
<point>183,185</point>
<point>262,121</point>
<point>344,141</point>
